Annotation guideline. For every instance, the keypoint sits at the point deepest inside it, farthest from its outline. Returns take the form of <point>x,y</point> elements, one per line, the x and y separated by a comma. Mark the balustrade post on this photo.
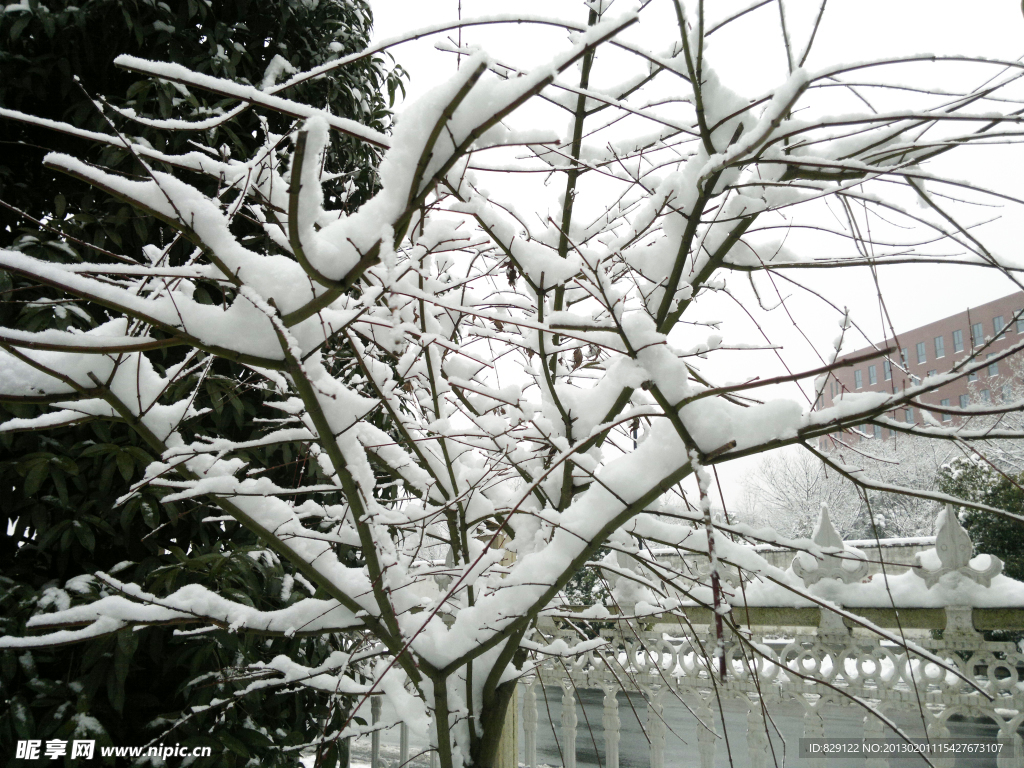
<point>1008,733</point>
<point>530,722</point>
<point>611,724</point>
<point>706,741</point>
<point>814,728</point>
<point>403,744</point>
<point>375,707</point>
<point>875,729</point>
<point>569,721</point>
<point>937,730</point>
<point>656,728</point>
<point>757,736</point>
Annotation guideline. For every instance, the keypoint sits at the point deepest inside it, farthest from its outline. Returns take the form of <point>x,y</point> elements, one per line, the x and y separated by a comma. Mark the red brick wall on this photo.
<point>845,379</point>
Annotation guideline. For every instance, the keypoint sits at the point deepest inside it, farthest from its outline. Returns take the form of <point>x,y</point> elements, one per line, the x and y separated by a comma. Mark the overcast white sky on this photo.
<point>853,30</point>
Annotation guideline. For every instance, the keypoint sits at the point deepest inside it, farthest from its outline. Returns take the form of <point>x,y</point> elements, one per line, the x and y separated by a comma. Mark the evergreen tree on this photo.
<point>991,534</point>
<point>72,501</point>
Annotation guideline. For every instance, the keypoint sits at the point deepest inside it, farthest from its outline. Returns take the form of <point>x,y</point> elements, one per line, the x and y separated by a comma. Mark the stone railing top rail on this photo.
<point>785,616</point>
<point>889,543</point>
<point>946,575</point>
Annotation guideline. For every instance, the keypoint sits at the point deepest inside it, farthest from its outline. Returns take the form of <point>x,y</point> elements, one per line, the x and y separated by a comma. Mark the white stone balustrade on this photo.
<point>663,661</point>
<point>824,665</point>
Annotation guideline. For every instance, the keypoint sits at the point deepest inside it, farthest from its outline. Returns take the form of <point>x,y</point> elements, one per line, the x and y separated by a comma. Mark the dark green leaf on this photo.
<point>125,465</point>
<point>85,536</point>
<point>34,478</point>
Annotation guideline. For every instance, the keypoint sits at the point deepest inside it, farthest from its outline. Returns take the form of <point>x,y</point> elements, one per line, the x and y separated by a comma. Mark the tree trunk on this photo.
<point>498,744</point>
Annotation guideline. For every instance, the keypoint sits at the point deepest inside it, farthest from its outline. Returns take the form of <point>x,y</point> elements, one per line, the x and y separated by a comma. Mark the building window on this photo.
<point>993,368</point>
<point>985,396</point>
<point>940,347</point>
<point>872,374</point>
<point>958,341</point>
<point>963,401</point>
<point>921,356</point>
<point>945,404</point>
<point>887,369</point>
<point>909,414</point>
<point>858,379</point>
<point>997,325</point>
<point>1004,393</point>
<point>1020,324</point>
<point>931,373</point>
<point>972,377</point>
<point>877,431</point>
<point>977,334</point>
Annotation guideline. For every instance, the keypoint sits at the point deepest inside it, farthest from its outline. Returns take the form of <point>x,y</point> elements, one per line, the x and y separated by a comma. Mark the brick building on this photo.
<point>934,349</point>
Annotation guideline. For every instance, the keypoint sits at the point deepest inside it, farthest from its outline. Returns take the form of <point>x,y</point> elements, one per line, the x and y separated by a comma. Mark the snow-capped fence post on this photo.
<point>403,743</point>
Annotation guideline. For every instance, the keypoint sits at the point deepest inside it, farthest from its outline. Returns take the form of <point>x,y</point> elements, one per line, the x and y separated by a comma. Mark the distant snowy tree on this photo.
<point>786,490</point>
<point>537,363</point>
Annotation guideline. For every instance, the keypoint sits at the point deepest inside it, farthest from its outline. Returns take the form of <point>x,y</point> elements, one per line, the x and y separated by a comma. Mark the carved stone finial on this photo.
<point>954,547</point>
<point>831,566</point>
